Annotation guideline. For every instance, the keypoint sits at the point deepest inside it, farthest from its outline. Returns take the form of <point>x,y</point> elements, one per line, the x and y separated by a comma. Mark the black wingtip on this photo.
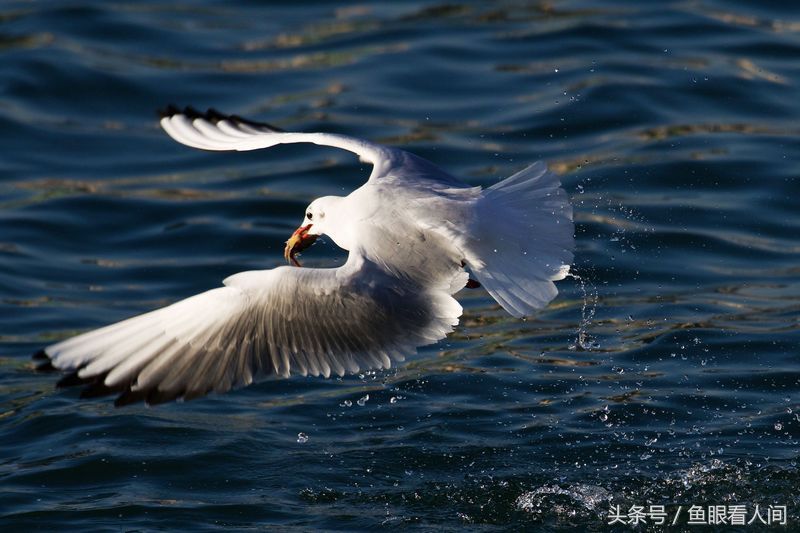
<point>128,397</point>
<point>97,389</point>
<point>192,113</point>
<point>257,125</point>
<point>168,111</point>
<point>214,116</point>
<point>42,362</point>
<point>45,367</point>
<point>94,386</point>
<point>156,396</point>
<point>73,380</point>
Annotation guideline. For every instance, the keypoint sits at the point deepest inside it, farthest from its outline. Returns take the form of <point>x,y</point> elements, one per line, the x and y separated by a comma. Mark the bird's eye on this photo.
<point>309,215</point>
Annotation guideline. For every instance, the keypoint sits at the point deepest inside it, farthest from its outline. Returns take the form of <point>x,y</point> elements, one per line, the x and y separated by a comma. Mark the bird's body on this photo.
<point>410,231</point>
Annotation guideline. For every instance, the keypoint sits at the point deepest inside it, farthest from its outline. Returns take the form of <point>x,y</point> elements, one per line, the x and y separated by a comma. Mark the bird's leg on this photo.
<point>471,283</point>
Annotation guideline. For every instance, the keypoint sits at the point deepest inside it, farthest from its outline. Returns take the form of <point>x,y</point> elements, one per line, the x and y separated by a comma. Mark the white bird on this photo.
<point>410,231</point>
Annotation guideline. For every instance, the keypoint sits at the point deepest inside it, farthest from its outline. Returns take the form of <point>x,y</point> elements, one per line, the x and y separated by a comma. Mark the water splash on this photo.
<point>583,340</point>
<point>578,499</point>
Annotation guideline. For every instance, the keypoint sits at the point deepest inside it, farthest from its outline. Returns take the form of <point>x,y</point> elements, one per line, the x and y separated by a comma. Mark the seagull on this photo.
<point>412,232</point>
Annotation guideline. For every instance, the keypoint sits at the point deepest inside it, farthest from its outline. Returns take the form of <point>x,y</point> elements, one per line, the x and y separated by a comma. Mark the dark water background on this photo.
<point>667,374</point>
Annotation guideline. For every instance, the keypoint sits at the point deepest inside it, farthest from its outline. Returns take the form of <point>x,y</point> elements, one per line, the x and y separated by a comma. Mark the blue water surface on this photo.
<point>665,373</point>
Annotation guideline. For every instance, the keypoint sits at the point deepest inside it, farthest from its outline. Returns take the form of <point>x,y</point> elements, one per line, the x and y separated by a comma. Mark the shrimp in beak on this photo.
<point>299,241</point>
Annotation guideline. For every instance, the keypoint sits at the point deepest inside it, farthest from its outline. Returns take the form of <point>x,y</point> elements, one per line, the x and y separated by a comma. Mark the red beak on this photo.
<point>299,241</point>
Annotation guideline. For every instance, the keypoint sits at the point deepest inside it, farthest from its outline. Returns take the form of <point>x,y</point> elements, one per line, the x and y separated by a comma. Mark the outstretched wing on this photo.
<point>261,323</point>
<point>215,131</point>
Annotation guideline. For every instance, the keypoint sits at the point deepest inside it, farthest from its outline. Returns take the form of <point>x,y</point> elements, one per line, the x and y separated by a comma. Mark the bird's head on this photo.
<point>315,223</point>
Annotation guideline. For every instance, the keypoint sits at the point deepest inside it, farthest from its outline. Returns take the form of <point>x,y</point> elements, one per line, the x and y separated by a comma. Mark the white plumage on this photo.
<point>410,231</point>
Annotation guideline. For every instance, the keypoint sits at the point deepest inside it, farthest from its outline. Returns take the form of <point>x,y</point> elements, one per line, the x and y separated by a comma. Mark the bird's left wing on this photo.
<point>261,323</point>
<point>215,131</point>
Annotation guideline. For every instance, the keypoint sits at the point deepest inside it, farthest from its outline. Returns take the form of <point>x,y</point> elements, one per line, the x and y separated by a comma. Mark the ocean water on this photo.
<point>665,373</point>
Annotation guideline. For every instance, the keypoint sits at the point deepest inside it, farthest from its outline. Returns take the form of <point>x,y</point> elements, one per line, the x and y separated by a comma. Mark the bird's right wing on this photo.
<point>261,323</point>
<point>216,131</point>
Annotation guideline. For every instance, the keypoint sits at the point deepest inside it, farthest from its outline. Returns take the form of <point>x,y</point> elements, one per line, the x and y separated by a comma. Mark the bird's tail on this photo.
<point>522,239</point>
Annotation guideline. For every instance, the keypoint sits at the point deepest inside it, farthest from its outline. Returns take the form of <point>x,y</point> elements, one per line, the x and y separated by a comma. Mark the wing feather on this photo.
<point>260,323</point>
<point>214,131</point>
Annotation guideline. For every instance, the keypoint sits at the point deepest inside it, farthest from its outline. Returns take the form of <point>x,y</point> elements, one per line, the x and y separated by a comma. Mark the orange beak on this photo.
<point>299,241</point>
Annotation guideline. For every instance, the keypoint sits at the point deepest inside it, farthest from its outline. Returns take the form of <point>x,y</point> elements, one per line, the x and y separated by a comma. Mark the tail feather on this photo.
<point>522,239</point>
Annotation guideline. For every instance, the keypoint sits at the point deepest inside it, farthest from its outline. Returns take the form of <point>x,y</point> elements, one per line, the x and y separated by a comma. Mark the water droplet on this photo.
<point>778,426</point>
<point>346,403</point>
<point>603,417</point>
<point>302,438</point>
<point>363,400</point>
